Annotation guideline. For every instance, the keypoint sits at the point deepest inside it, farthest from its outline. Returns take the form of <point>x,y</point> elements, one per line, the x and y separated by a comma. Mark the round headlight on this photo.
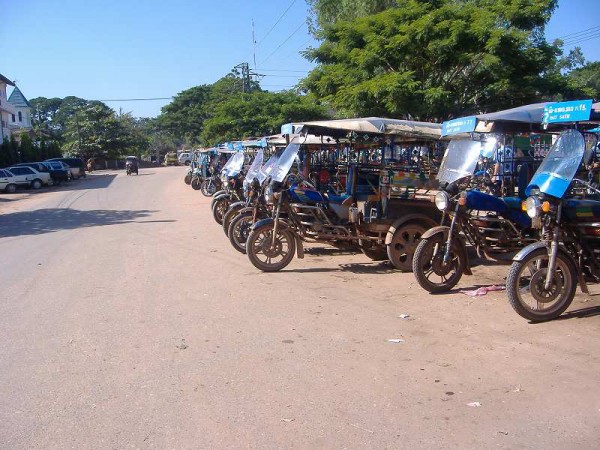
<point>533,206</point>
<point>442,201</point>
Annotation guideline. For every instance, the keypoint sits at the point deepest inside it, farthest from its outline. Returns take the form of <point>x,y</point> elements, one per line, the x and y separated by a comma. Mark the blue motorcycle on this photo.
<point>543,278</point>
<point>496,227</point>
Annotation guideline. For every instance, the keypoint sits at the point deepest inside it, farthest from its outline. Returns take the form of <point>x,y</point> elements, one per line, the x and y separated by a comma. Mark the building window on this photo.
<point>20,117</point>
<point>13,116</point>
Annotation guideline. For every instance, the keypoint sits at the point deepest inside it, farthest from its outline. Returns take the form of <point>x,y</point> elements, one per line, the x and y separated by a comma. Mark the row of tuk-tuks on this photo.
<point>516,187</point>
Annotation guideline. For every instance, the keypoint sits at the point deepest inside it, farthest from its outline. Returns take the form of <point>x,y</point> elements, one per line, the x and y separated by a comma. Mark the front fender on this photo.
<point>436,230</point>
<point>219,198</point>
<point>236,205</point>
<point>419,218</point>
<point>525,251</point>
<point>284,224</point>
<point>444,230</point>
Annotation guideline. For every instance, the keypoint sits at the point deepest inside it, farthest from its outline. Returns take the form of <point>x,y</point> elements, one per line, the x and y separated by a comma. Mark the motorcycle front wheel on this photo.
<point>208,188</point>
<point>239,229</point>
<point>269,252</point>
<point>196,184</point>
<point>188,179</point>
<point>525,286</point>
<point>428,264</point>
<point>231,213</point>
<point>219,209</point>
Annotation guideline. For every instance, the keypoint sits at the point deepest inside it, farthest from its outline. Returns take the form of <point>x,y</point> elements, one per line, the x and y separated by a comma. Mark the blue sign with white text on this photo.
<point>461,125</point>
<point>287,128</point>
<point>573,111</point>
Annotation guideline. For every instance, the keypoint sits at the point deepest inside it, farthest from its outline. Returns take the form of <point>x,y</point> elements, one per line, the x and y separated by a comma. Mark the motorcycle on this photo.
<point>235,207</point>
<point>302,213</point>
<point>256,207</point>
<point>495,226</point>
<point>543,277</point>
<point>231,180</point>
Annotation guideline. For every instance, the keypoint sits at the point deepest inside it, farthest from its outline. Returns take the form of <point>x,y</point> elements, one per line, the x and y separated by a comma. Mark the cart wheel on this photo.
<point>404,243</point>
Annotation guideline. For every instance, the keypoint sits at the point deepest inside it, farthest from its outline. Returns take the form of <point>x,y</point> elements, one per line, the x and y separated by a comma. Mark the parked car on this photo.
<point>9,182</point>
<point>25,177</point>
<point>58,172</point>
<point>75,164</point>
<point>185,158</point>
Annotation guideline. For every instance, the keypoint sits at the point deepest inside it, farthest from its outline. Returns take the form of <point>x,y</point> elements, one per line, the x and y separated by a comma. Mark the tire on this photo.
<point>11,188</point>
<point>428,259</point>
<point>522,289</point>
<point>196,184</point>
<point>259,243</point>
<point>375,253</point>
<point>219,209</point>
<point>401,250</point>
<point>208,188</point>
<point>238,231</point>
<point>231,212</point>
<point>36,184</point>
<point>188,180</point>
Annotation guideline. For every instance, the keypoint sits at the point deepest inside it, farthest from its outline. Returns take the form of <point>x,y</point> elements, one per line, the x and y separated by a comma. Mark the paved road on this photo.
<point>127,320</point>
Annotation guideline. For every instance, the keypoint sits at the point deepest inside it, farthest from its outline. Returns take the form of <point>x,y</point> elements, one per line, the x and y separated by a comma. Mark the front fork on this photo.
<point>553,250</point>
<point>450,233</point>
<point>276,218</point>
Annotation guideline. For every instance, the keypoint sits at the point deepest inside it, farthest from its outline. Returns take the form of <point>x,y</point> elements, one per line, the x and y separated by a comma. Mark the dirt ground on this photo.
<point>128,321</point>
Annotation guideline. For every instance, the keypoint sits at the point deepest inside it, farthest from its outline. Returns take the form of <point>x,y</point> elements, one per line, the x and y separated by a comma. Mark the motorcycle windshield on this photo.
<point>460,160</point>
<point>234,165</point>
<point>266,170</point>
<point>560,165</point>
<point>286,160</point>
<point>254,167</point>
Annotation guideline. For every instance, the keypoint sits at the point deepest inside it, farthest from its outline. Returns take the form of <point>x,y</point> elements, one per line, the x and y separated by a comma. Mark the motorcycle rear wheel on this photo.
<point>238,231</point>
<point>525,286</point>
<point>268,254</point>
<point>428,263</point>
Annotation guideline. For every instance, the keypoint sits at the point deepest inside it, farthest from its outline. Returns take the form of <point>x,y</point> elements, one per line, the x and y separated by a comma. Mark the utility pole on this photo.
<point>247,76</point>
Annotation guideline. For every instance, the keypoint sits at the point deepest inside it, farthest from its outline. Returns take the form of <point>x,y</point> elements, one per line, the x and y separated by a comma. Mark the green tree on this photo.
<point>257,114</point>
<point>435,59</point>
<point>324,13</point>
<point>95,130</point>
<point>586,79</point>
<point>185,115</point>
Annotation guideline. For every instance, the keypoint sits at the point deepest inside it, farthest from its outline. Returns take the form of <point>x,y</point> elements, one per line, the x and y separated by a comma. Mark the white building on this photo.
<point>21,119</point>
<point>7,109</point>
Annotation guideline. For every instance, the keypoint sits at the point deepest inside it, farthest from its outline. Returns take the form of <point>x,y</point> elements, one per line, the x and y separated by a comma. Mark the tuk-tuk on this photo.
<point>131,165</point>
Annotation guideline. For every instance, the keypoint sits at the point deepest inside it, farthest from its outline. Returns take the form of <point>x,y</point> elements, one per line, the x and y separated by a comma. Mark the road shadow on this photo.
<point>100,181</point>
<point>43,221</point>
<point>329,251</point>
<point>583,313</point>
<point>359,268</point>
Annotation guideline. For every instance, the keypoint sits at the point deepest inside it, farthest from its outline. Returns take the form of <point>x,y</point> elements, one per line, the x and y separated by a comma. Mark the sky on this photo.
<point>146,49</point>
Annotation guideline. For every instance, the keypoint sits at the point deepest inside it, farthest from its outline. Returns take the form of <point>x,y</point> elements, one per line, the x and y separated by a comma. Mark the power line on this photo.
<point>134,99</point>
<point>278,20</point>
<point>284,70</point>
<point>281,45</point>
<point>570,35</point>
<point>583,38</point>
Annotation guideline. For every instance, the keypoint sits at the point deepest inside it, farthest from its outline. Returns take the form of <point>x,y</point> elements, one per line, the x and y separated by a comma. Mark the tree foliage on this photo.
<point>257,114</point>
<point>326,12</point>
<point>435,59</point>
<point>209,114</point>
<point>587,79</point>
